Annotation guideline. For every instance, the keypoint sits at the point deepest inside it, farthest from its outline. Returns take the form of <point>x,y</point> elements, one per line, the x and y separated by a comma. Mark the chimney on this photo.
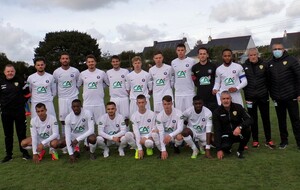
<point>285,34</point>
<point>184,39</point>
<point>209,38</point>
<point>154,43</point>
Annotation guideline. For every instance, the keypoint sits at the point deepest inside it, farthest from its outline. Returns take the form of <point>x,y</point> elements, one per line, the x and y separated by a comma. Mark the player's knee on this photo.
<point>187,132</point>
<point>129,135</point>
<point>92,139</point>
<point>23,143</point>
<point>123,139</point>
<point>54,144</point>
<point>61,144</point>
<point>149,143</point>
<point>100,139</point>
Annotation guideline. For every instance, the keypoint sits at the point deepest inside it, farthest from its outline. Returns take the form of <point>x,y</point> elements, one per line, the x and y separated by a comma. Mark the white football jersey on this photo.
<point>93,84</point>
<point>143,124</point>
<point>184,84</point>
<point>116,79</point>
<point>81,126</point>
<point>108,128</point>
<point>66,81</point>
<point>163,81</point>
<point>199,123</point>
<point>138,83</point>
<point>42,88</point>
<point>45,130</point>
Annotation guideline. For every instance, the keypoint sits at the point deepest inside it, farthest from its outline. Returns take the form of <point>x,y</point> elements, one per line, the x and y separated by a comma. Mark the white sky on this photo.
<point>133,24</point>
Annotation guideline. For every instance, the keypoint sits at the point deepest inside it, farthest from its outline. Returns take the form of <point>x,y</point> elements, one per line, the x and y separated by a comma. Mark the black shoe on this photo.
<point>26,156</point>
<point>6,159</point>
<point>176,150</point>
<point>240,154</point>
<point>227,151</point>
<point>283,145</point>
<point>77,154</point>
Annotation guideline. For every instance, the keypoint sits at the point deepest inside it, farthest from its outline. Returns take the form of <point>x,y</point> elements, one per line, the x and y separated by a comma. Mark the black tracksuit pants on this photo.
<point>8,120</point>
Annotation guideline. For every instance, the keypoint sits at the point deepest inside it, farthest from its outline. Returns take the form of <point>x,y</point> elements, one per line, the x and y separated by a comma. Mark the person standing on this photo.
<point>42,87</point>
<point>184,86</point>
<point>66,78</point>
<point>12,101</point>
<point>257,96</point>
<point>230,77</point>
<point>204,79</point>
<point>284,84</point>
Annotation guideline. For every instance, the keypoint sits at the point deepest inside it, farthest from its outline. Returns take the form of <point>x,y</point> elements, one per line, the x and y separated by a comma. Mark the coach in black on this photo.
<point>12,106</point>
<point>204,79</point>
<point>284,84</point>
<point>257,96</point>
<point>231,124</point>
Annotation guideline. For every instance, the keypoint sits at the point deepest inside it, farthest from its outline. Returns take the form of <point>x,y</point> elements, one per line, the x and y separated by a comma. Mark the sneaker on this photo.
<point>64,150</point>
<point>27,113</point>
<point>255,144</point>
<point>246,147</point>
<point>270,144</point>
<point>26,156</point>
<point>283,145</point>
<point>41,154</point>
<point>87,148</point>
<point>121,152</point>
<point>106,152</point>
<point>149,151</point>
<point>240,155</point>
<point>136,155</point>
<point>77,149</point>
<point>92,156</point>
<point>195,154</point>
<point>54,155</point>
<point>202,151</point>
<point>6,159</point>
<point>176,150</point>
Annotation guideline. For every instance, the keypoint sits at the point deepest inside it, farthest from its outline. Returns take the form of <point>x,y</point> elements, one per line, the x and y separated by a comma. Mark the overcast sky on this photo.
<point>133,24</point>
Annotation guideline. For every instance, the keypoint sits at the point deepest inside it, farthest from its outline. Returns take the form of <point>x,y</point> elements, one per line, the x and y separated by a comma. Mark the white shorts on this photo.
<point>200,137</point>
<point>134,107</point>
<point>64,107</point>
<point>49,107</point>
<point>122,106</point>
<point>97,112</point>
<point>157,107</point>
<point>183,102</point>
<point>74,136</point>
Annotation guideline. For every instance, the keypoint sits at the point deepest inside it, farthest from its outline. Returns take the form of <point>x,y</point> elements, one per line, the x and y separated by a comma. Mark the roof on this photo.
<point>291,40</point>
<point>233,43</point>
<point>164,45</point>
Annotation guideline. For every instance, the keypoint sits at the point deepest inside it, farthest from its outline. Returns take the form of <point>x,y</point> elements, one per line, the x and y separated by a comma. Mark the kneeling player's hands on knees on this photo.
<point>40,147</point>
<point>207,154</point>
<point>74,143</point>
<point>116,139</point>
<point>164,155</point>
<point>237,131</point>
<point>35,158</point>
<point>220,154</point>
<point>167,139</point>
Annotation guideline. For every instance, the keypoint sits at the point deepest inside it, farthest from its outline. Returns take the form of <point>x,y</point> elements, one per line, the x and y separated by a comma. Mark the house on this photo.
<point>160,46</point>
<point>289,40</point>
<point>238,45</point>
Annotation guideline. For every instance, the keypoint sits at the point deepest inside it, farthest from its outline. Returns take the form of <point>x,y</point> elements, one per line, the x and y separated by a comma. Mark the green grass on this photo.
<point>261,169</point>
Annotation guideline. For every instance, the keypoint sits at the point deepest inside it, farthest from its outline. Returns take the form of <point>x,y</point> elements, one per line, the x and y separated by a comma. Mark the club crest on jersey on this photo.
<point>165,73</point>
<point>117,125</point>
<point>234,71</point>
<point>203,119</point>
<point>16,84</point>
<point>285,62</point>
<point>187,65</point>
<point>261,67</point>
<point>122,76</point>
<point>143,80</point>
<point>100,123</point>
<point>48,126</point>
<point>83,120</point>
<point>123,123</point>
<point>47,81</point>
<point>234,113</point>
<point>98,77</point>
<point>173,121</point>
<point>72,75</point>
<point>149,120</point>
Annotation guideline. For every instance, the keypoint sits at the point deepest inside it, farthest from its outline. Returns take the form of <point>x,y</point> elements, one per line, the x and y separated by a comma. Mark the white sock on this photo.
<point>178,143</point>
<point>93,147</point>
<point>156,140</point>
<point>100,142</point>
<point>190,142</point>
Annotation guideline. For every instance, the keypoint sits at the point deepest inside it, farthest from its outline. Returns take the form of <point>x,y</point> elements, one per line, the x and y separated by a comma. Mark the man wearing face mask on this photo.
<point>284,87</point>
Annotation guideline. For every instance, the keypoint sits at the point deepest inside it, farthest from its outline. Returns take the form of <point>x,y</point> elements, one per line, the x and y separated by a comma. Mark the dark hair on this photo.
<point>76,101</point>
<point>157,53</point>
<point>115,57</point>
<point>9,65</point>
<point>36,59</point>
<point>181,45</point>
<point>167,98</point>
<point>64,53</point>
<point>90,56</point>
<point>141,96</point>
<point>197,98</point>
<point>203,48</point>
<point>227,49</point>
<point>40,105</point>
<point>111,103</point>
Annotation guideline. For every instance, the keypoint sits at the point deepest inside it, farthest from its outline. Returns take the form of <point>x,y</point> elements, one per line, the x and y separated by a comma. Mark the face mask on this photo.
<point>277,53</point>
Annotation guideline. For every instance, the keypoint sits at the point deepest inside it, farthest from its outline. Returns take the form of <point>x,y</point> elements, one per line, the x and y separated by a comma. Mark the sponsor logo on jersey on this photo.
<point>198,128</point>
<point>47,81</point>
<point>44,135</point>
<point>112,133</point>
<point>204,80</point>
<point>160,82</point>
<point>16,84</point>
<point>229,81</point>
<point>181,74</point>
<point>144,130</point>
<point>234,71</point>
<point>148,120</point>
<point>67,84</point>
<point>138,88</point>
<point>117,84</point>
<point>41,90</point>
<point>92,85</point>
<point>79,129</point>
<point>168,129</point>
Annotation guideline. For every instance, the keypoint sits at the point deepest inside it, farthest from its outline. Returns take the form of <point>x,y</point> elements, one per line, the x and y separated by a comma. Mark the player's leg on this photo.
<point>102,144</point>
<point>92,142</point>
<point>187,134</point>
<point>54,145</point>
<point>149,144</point>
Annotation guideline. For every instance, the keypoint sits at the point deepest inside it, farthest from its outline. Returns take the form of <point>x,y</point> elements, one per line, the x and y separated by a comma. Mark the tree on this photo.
<point>77,44</point>
<point>20,66</point>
